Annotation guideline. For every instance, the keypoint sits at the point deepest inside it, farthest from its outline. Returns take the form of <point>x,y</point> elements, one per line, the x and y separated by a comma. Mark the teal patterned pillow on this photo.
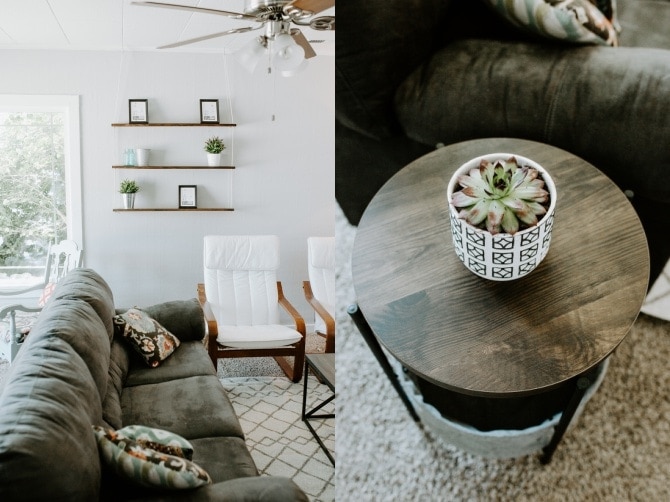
<point>159,440</point>
<point>146,466</point>
<point>580,21</point>
<point>149,339</point>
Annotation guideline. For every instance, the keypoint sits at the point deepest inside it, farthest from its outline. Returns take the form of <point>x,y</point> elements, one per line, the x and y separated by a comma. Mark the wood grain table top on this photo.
<point>489,338</point>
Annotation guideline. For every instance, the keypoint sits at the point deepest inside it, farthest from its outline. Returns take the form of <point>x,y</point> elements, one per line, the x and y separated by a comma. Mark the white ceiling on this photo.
<point>116,25</point>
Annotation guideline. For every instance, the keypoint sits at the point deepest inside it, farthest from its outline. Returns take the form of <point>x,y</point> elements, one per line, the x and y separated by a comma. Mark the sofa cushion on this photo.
<point>146,336</point>
<point>196,407</point>
<point>570,20</point>
<point>147,466</point>
<point>190,360</point>
<point>47,407</point>
<point>236,463</point>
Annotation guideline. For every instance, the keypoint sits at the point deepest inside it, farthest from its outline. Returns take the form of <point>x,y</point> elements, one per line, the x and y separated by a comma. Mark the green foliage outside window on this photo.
<point>32,186</point>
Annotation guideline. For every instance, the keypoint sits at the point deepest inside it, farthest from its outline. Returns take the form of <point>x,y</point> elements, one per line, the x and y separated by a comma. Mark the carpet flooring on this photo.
<point>618,450</point>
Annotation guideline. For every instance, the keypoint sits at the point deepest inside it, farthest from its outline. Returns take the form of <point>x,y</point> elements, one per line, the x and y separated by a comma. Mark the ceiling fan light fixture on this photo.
<point>294,71</point>
<point>287,55</point>
<point>250,54</point>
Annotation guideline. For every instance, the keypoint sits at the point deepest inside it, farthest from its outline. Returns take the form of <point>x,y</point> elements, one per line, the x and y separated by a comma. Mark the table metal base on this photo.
<point>312,414</point>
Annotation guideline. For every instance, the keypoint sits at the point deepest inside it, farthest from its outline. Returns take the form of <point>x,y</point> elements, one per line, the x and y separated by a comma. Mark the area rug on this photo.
<point>270,411</point>
<point>618,450</point>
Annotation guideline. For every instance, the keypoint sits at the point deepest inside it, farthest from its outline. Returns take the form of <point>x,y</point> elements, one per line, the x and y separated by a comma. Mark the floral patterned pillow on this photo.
<point>149,339</point>
<point>135,461</point>
<point>580,21</point>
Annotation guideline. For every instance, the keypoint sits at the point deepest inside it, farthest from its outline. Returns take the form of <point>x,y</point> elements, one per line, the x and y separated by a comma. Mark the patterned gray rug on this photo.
<point>270,410</point>
<point>269,407</point>
<point>618,450</point>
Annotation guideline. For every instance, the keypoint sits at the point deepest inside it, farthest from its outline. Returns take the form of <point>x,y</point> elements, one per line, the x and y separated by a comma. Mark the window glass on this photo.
<point>36,186</point>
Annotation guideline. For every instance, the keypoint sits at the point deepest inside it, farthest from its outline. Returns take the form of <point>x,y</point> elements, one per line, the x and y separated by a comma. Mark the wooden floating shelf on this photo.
<point>173,167</point>
<point>173,124</point>
<point>176,209</point>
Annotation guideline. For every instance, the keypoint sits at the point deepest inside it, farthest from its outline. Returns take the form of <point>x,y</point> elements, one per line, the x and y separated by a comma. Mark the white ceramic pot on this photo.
<point>142,155</point>
<point>213,159</point>
<point>501,257</point>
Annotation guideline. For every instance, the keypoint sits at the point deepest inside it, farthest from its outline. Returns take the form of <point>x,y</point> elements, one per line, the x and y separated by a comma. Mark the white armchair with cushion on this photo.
<point>320,289</point>
<point>241,298</point>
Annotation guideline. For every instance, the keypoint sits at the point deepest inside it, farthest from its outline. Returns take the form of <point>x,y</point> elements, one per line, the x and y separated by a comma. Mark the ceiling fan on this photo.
<point>287,46</point>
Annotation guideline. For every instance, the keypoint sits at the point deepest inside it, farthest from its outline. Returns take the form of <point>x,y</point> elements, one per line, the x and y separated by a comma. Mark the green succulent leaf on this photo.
<point>501,196</point>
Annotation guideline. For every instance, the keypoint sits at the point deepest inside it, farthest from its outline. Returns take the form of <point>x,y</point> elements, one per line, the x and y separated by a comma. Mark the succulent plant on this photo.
<point>501,196</point>
<point>214,145</point>
<point>129,186</point>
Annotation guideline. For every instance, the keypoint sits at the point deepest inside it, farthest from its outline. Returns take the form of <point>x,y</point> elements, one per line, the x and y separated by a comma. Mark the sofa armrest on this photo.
<point>251,489</point>
<point>606,105</point>
<point>183,318</point>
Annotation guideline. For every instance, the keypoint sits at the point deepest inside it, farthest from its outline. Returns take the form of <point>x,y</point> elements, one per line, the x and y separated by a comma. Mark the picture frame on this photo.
<point>209,111</point>
<point>138,111</point>
<point>188,197</point>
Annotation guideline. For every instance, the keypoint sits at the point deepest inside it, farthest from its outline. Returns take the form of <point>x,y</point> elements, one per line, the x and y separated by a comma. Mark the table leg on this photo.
<point>370,338</point>
<point>584,381</point>
<point>308,415</point>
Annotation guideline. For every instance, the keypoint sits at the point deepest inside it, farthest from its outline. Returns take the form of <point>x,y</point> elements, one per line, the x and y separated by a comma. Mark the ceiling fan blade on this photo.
<point>314,6</point>
<point>233,15</point>
<point>209,37</point>
<point>302,42</point>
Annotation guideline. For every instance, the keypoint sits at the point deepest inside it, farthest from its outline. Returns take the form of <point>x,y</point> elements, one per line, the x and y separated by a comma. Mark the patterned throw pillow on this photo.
<point>580,21</point>
<point>159,440</point>
<point>151,340</point>
<point>146,466</point>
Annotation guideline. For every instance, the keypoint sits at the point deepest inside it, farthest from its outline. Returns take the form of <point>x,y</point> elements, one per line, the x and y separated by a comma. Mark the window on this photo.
<point>40,182</point>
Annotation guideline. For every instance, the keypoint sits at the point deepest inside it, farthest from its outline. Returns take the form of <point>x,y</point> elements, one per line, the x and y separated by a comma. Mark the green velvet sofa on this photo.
<point>74,372</point>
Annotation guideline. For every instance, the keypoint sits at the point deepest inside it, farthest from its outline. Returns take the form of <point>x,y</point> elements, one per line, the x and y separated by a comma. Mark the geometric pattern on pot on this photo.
<point>502,256</point>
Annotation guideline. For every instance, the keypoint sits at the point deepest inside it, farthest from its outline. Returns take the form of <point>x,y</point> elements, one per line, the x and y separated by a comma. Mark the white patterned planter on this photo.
<point>501,257</point>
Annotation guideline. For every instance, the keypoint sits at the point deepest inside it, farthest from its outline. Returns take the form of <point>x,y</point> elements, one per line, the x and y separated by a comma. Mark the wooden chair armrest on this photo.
<point>318,308</point>
<point>286,305</point>
<point>212,327</point>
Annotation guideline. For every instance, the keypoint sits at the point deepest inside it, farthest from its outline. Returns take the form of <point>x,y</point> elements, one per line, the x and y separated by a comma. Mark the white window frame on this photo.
<point>69,105</point>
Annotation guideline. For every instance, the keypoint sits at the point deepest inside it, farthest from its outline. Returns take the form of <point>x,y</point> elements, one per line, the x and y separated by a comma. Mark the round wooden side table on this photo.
<point>472,337</point>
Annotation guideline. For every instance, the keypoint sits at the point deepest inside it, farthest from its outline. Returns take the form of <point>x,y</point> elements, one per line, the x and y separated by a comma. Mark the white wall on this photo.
<point>283,182</point>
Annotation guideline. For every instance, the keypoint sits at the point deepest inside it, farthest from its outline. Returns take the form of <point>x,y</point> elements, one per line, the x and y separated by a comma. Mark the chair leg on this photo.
<point>330,343</point>
<point>294,372</point>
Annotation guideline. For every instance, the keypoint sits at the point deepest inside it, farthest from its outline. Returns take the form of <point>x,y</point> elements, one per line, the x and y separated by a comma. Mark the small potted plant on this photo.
<point>214,146</point>
<point>502,212</point>
<point>128,189</point>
